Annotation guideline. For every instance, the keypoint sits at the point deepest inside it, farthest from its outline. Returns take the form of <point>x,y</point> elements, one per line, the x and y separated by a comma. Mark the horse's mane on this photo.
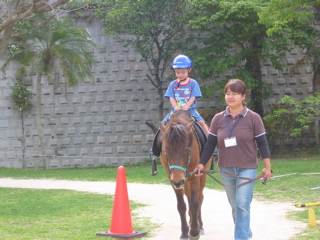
<point>178,132</point>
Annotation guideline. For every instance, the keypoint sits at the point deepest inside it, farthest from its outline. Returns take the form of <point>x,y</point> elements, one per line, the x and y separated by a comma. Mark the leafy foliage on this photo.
<point>306,111</point>
<point>233,38</point>
<point>281,14</point>
<point>291,118</point>
<point>20,97</point>
<point>298,20</point>
<point>279,123</point>
<point>83,9</point>
<point>13,11</point>
<point>156,27</point>
<point>57,46</point>
<point>65,44</point>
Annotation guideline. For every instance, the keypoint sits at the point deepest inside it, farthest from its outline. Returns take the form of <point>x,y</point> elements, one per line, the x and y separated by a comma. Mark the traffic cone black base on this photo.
<point>125,236</point>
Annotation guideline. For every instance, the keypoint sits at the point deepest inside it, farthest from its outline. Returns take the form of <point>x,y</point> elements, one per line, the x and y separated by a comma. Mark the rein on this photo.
<point>209,173</point>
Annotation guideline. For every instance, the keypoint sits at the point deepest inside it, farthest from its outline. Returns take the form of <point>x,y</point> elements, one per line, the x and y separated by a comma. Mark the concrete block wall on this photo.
<point>102,121</point>
<point>299,86</point>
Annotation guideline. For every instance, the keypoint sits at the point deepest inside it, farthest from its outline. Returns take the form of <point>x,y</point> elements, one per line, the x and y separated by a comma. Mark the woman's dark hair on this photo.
<point>236,85</point>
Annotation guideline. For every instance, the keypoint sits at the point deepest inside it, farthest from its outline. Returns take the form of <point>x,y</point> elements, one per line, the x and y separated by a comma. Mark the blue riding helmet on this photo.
<point>182,61</point>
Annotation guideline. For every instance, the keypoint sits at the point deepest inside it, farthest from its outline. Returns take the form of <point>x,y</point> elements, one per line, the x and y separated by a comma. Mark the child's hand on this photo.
<point>177,108</point>
<point>185,107</point>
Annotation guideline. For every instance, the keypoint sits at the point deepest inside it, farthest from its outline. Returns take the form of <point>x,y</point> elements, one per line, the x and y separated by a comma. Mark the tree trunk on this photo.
<point>316,131</point>
<point>38,121</point>
<point>158,84</point>
<point>315,88</point>
<point>256,97</point>
<point>23,142</point>
<point>161,107</point>
<point>254,67</point>
<point>5,39</point>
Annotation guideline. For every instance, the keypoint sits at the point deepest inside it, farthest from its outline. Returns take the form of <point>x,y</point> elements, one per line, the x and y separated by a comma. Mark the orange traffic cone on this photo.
<point>121,223</point>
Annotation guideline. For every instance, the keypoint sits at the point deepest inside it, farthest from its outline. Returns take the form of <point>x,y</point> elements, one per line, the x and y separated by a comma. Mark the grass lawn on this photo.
<point>56,214</point>
<point>62,214</point>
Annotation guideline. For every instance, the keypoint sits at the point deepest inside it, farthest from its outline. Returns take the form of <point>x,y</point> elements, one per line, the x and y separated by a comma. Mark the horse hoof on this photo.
<point>194,238</point>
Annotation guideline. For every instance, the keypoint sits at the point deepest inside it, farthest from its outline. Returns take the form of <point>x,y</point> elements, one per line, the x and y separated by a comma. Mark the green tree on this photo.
<point>233,38</point>
<point>280,14</point>
<point>297,19</point>
<point>12,11</point>
<point>58,46</point>
<point>154,28</point>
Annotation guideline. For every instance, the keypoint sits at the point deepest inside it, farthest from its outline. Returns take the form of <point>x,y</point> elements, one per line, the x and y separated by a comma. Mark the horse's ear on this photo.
<point>162,126</point>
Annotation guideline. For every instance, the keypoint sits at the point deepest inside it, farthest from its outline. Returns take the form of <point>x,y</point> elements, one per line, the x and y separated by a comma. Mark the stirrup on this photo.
<point>153,163</point>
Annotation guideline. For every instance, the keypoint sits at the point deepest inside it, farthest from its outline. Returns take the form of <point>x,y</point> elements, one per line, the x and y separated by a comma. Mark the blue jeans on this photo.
<point>240,199</point>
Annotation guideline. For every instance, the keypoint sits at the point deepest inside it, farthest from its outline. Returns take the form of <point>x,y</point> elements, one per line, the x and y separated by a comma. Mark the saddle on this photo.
<point>201,136</point>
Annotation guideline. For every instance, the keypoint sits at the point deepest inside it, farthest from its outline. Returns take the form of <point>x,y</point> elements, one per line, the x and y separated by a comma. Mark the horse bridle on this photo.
<point>185,170</point>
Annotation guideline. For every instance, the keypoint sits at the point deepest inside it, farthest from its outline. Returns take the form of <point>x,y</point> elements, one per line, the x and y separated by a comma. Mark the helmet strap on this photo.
<point>189,70</point>
<point>182,81</point>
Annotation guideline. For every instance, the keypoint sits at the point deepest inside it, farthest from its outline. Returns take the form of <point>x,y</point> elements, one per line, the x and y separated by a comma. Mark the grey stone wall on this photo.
<point>102,122</point>
<point>299,86</point>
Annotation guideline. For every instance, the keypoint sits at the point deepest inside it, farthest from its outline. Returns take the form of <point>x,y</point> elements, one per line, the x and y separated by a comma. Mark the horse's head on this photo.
<point>176,142</point>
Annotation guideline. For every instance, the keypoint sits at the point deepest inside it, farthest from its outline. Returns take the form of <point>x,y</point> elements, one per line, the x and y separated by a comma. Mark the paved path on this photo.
<point>268,219</point>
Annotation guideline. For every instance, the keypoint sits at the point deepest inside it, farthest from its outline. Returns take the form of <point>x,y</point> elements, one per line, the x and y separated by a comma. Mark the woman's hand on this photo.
<point>198,169</point>
<point>267,174</point>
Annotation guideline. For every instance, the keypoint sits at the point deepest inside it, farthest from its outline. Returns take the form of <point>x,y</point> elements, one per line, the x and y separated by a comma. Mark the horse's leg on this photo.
<point>201,197</point>
<point>194,208</point>
<point>192,192</point>
<point>199,214</point>
<point>182,209</point>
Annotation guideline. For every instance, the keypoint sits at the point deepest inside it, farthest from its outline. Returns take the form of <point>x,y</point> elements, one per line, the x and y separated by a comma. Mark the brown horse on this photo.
<point>180,155</point>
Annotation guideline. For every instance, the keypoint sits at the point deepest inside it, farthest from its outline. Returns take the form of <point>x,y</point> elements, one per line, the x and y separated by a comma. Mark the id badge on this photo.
<point>230,142</point>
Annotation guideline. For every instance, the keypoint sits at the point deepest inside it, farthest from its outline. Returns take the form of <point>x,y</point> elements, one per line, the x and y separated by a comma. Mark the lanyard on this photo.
<point>227,121</point>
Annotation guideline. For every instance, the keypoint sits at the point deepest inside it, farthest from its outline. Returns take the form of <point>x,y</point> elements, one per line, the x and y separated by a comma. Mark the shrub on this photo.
<point>291,119</point>
<point>20,97</point>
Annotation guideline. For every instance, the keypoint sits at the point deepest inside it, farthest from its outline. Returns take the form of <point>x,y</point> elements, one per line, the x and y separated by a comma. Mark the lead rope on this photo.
<point>249,180</point>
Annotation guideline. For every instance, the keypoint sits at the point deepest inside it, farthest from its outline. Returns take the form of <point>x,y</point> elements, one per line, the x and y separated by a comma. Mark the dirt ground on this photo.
<point>268,219</point>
